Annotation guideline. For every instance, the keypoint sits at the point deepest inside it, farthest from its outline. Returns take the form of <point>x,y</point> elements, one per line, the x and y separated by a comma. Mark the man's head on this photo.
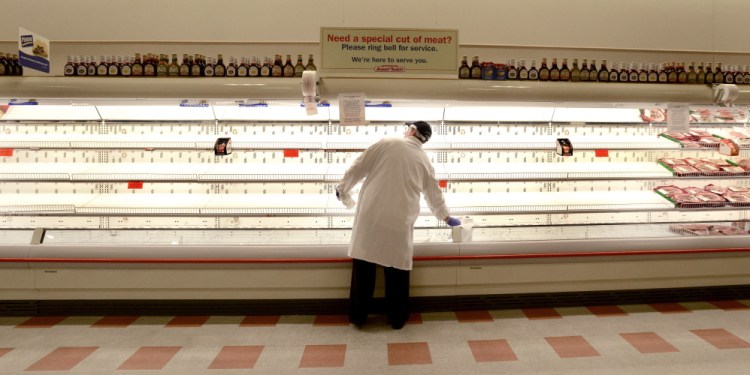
<point>420,129</point>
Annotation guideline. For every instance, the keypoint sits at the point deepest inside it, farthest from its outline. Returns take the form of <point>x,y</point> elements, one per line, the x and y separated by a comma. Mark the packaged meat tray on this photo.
<point>693,190</point>
<point>734,170</point>
<point>686,201</point>
<point>726,230</point>
<point>717,162</point>
<point>737,200</point>
<point>668,190</point>
<point>738,189</point>
<point>710,199</point>
<point>716,189</point>
<point>685,170</point>
<point>710,169</point>
<point>670,161</point>
<point>693,161</point>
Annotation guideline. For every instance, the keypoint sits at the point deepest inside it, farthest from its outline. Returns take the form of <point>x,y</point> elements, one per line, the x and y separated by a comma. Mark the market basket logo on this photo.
<point>27,41</point>
<point>390,69</point>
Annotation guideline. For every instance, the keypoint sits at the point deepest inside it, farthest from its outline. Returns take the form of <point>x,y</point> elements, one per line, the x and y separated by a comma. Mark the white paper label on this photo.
<point>678,117</point>
<point>352,108</point>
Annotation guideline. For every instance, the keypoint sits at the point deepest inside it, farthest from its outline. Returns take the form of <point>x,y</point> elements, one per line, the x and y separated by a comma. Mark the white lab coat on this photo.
<point>396,171</point>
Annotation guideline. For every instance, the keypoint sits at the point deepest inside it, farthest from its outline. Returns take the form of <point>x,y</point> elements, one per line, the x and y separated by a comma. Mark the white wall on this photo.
<point>704,25</point>
<point>628,30</point>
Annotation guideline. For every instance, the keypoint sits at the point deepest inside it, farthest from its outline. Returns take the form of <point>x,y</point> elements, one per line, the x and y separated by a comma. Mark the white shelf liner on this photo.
<point>42,203</point>
<point>600,115</point>
<point>274,113</point>
<point>156,113</point>
<point>292,204</point>
<point>549,142</point>
<point>265,172</point>
<point>499,114</point>
<point>51,113</point>
<point>531,171</point>
<point>555,201</point>
<point>125,204</point>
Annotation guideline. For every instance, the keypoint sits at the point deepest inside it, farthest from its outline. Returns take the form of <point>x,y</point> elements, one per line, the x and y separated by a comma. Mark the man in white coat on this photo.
<point>396,172</point>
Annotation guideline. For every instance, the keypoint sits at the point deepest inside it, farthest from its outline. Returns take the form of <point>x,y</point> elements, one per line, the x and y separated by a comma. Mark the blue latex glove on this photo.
<point>453,222</point>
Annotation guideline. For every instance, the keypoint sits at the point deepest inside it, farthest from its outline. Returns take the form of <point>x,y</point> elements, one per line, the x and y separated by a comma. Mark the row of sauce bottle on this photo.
<point>9,65</point>
<point>154,65</point>
<point>671,72</point>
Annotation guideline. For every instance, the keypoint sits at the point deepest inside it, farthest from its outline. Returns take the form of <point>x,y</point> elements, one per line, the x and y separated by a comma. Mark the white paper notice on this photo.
<point>352,109</point>
<point>678,117</point>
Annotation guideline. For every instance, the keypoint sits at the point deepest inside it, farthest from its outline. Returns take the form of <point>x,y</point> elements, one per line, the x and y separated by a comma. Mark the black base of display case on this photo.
<point>339,306</point>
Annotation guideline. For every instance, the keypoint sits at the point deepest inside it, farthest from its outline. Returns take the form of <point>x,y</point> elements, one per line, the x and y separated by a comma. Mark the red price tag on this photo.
<point>443,184</point>
<point>135,184</point>
<point>291,153</point>
<point>6,152</point>
<point>601,153</point>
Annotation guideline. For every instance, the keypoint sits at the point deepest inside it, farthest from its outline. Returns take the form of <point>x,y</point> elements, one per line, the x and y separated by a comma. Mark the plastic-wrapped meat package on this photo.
<point>668,190</point>
<point>690,144</point>
<point>692,161</point>
<point>670,161</point>
<point>678,136</point>
<point>711,188</point>
<point>727,230</point>
<point>717,162</point>
<point>737,199</point>
<point>733,169</point>
<point>685,170</point>
<point>709,140</point>
<point>745,164</point>
<point>685,200</point>
<point>737,189</point>
<point>693,190</point>
<point>710,198</point>
<point>699,133</point>
<point>709,169</point>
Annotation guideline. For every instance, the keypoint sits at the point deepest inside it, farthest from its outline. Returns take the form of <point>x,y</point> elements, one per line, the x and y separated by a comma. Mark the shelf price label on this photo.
<point>443,184</point>
<point>6,152</point>
<point>289,153</point>
<point>135,184</point>
<point>600,153</point>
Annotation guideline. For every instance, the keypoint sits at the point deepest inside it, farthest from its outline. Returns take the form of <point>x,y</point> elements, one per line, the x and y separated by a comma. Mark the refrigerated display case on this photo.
<point>112,189</point>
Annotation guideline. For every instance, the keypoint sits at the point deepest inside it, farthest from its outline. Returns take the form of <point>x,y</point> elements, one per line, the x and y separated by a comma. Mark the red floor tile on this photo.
<point>62,359</point>
<point>414,318</point>
<point>187,321</point>
<point>648,342</point>
<point>730,305</point>
<point>115,322</point>
<point>605,311</point>
<point>668,308</point>
<point>572,347</point>
<point>150,358</point>
<point>542,313</point>
<point>721,338</point>
<point>331,320</point>
<point>4,351</point>
<point>411,353</point>
<point>323,356</point>
<point>260,321</point>
<point>474,316</point>
<point>236,357</point>
<point>492,351</point>
<point>42,322</point>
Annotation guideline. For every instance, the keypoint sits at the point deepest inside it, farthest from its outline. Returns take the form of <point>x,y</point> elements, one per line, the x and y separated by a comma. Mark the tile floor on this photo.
<point>668,338</point>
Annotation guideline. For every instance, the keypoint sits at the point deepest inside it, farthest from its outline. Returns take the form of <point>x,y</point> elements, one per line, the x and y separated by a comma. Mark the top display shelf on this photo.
<point>443,91</point>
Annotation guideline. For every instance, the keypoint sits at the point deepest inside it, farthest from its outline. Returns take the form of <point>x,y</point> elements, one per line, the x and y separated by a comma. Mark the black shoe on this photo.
<point>357,322</point>
<point>398,325</point>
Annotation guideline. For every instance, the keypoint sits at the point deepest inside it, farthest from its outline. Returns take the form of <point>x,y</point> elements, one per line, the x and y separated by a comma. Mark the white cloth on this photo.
<point>396,172</point>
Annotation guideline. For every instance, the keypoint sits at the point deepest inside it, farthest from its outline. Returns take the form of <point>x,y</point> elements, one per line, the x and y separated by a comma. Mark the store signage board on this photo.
<point>388,52</point>
<point>33,53</point>
<point>678,117</point>
<point>352,109</point>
